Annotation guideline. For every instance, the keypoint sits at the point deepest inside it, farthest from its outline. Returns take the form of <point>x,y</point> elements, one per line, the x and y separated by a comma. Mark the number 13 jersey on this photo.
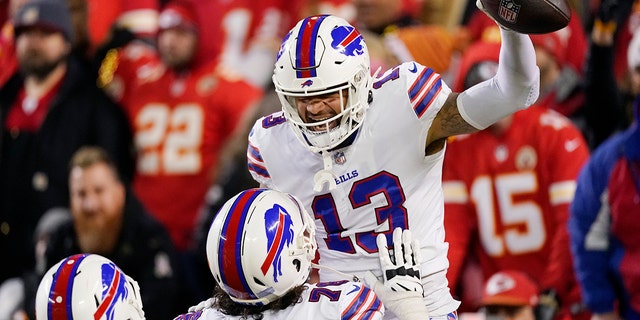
<point>384,180</point>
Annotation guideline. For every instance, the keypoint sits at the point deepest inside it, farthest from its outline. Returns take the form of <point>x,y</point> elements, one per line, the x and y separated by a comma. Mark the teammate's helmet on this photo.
<point>88,286</point>
<point>320,55</point>
<point>260,246</point>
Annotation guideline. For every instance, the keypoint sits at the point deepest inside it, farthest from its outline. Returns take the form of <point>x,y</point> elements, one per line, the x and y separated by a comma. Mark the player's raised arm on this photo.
<point>514,87</point>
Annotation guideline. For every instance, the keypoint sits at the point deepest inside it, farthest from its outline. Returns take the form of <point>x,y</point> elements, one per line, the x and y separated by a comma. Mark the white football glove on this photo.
<point>402,289</point>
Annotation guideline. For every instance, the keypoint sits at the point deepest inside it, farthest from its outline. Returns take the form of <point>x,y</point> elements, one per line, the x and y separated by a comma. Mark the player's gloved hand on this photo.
<point>402,290</point>
<point>202,305</point>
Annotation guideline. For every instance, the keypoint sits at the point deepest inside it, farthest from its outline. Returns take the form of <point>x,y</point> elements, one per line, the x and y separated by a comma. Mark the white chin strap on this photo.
<point>325,175</point>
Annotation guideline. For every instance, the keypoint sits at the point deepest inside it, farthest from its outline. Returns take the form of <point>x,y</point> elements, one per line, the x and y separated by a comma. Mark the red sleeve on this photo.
<point>101,14</point>
<point>8,59</point>
<point>237,98</point>
<point>122,68</point>
<point>129,5</point>
<point>576,44</point>
<point>569,152</point>
<point>459,218</point>
<point>481,27</point>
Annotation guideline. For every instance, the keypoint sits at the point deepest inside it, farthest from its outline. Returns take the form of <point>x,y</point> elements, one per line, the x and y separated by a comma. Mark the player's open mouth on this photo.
<point>323,126</point>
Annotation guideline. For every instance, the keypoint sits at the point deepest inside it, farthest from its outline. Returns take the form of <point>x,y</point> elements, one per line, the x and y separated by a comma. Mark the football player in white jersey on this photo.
<point>260,248</point>
<point>364,153</point>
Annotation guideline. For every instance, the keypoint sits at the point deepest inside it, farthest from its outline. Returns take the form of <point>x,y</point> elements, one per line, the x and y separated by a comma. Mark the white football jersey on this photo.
<point>344,300</point>
<point>384,180</point>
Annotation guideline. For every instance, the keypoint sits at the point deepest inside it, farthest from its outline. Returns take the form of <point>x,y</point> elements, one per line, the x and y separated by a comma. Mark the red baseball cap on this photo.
<point>510,288</point>
<point>550,42</point>
<point>178,14</point>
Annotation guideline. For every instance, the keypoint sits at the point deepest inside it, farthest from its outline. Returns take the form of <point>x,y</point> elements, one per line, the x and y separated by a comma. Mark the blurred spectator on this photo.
<point>243,35</point>
<point>48,110</point>
<point>250,34</point>
<point>572,39</point>
<point>8,59</point>
<point>341,8</point>
<point>107,219</point>
<point>507,192</point>
<point>621,18</point>
<point>182,112</point>
<point>510,295</point>
<point>608,99</point>
<point>346,9</point>
<point>560,56</point>
<point>560,86</point>
<point>430,45</point>
<point>603,223</point>
<point>380,16</point>
<point>140,17</point>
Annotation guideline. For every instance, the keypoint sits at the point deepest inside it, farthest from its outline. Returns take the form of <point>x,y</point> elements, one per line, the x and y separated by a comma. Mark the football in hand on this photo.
<point>529,16</point>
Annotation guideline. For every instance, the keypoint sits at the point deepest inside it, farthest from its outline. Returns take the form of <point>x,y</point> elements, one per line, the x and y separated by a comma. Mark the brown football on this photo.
<point>529,16</point>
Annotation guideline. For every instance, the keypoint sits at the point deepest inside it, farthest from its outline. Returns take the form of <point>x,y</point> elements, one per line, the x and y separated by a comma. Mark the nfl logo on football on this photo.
<point>509,10</point>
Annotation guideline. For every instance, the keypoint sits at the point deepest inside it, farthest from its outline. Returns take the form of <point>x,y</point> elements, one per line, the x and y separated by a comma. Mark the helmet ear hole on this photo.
<point>256,280</point>
<point>296,263</point>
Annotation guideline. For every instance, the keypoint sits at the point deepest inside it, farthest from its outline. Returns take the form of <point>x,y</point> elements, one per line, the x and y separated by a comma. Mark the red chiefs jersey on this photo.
<point>8,59</point>
<point>140,16</point>
<point>245,35</point>
<point>180,125</point>
<point>507,196</point>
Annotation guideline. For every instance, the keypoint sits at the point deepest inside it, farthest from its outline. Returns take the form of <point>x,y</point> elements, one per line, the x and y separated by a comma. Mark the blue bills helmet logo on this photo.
<point>113,290</point>
<point>61,293</point>
<point>347,40</point>
<point>282,45</point>
<point>307,83</point>
<point>279,230</point>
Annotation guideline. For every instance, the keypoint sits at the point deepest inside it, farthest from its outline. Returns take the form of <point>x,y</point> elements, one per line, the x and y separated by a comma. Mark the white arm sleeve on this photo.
<point>515,86</point>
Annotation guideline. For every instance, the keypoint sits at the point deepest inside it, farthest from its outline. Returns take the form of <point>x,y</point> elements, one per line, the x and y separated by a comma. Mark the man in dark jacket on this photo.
<point>48,109</point>
<point>107,219</point>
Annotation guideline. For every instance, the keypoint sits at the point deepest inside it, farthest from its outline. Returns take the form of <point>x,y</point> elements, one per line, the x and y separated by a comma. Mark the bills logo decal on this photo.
<point>279,230</point>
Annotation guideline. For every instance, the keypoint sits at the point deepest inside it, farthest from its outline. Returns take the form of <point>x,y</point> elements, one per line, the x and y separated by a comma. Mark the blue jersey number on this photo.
<point>394,213</point>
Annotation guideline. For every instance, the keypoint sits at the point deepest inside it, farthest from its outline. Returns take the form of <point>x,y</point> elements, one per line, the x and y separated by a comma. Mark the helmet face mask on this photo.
<point>260,246</point>
<point>88,286</point>
<point>323,55</point>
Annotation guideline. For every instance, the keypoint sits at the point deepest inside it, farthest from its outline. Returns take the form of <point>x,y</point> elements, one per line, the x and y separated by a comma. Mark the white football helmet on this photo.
<point>88,286</point>
<point>323,54</point>
<point>260,246</point>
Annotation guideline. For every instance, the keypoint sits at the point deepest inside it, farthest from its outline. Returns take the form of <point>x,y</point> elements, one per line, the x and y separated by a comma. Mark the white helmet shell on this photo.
<point>88,286</point>
<point>321,55</point>
<point>260,246</point>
